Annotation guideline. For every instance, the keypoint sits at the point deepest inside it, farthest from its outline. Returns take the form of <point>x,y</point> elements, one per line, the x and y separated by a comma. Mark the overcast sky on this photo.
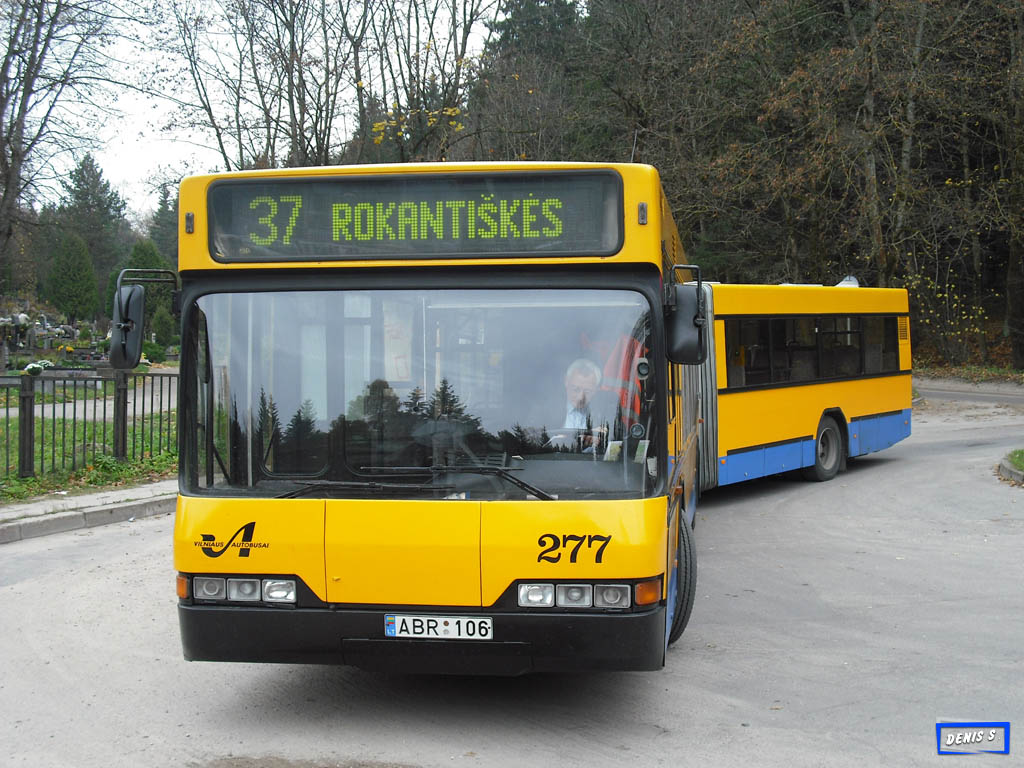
<point>136,156</point>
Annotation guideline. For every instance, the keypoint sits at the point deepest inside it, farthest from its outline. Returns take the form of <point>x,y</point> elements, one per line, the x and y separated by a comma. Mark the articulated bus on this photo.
<point>433,417</point>
<point>801,377</point>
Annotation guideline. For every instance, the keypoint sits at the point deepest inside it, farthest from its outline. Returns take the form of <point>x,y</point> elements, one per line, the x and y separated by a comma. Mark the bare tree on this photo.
<point>268,79</point>
<point>423,70</point>
<point>53,69</point>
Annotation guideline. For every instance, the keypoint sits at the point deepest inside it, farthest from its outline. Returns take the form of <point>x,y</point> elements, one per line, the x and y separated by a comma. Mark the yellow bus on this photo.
<point>433,417</point>
<point>802,377</point>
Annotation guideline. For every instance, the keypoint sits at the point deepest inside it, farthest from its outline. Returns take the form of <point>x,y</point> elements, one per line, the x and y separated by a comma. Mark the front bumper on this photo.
<point>524,642</point>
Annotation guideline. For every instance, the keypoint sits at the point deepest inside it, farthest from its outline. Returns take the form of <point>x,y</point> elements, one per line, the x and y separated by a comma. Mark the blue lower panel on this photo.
<point>769,460</point>
<point>869,434</point>
<point>878,432</point>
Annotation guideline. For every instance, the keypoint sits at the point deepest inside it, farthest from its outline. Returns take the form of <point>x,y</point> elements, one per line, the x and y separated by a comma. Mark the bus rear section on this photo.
<point>803,378</point>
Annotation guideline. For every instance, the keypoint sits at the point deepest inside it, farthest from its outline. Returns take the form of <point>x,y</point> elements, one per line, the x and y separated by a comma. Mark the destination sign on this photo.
<point>569,213</point>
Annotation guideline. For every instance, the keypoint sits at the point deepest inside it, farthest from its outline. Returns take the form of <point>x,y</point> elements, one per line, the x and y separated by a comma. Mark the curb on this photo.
<point>89,517</point>
<point>1009,472</point>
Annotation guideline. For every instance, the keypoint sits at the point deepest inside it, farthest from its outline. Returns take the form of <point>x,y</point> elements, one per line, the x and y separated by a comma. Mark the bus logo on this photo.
<point>213,548</point>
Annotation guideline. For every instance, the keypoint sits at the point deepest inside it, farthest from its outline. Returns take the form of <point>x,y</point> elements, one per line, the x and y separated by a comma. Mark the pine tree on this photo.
<point>163,227</point>
<point>144,255</point>
<point>71,285</point>
<point>96,213</point>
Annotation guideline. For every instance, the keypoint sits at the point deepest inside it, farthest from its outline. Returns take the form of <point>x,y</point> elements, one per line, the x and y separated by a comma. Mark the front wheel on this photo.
<point>686,579</point>
<point>828,451</point>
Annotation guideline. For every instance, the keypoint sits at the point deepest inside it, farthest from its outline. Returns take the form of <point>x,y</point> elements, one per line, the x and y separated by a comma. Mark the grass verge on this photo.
<point>76,457</point>
<point>974,373</point>
<point>104,473</point>
<point>1017,459</point>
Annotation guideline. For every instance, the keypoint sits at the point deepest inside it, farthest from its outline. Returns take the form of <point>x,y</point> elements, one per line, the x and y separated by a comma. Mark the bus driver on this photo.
<point>582,380</point>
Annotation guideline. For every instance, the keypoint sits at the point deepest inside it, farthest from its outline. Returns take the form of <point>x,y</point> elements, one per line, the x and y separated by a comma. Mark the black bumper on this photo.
<point>524,642</point>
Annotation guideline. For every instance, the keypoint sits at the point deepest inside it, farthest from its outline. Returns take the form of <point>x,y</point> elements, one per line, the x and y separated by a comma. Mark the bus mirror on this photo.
<point>126,327</point>
<point>684,327</point>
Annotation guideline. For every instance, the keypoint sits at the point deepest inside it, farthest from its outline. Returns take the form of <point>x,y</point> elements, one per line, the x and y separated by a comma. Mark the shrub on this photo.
<point>154,352</point>
<point>163,327</point>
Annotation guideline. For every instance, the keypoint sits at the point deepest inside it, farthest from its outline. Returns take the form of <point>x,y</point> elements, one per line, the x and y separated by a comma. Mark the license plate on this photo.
<point>439,627</point>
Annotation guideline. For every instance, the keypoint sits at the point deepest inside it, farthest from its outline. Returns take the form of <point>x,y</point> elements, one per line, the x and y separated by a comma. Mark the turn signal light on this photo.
<point>182,586</point>
<point>648,592</point>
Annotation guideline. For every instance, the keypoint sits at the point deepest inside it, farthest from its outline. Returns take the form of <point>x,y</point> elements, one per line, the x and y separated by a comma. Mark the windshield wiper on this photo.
<point>473,469</point>
<point>309,486</point>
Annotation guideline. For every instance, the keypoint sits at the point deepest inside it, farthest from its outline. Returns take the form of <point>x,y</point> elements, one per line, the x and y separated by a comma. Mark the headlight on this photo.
<point>278,591</point>
<point>611,596</point>
<point>574,595</point>
<point>536,595</point>
<point>243,589</point>
<point>208,588</point>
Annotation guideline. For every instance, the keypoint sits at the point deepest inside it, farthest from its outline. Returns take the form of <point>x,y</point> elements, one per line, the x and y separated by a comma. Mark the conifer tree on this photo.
<point>71,285</point>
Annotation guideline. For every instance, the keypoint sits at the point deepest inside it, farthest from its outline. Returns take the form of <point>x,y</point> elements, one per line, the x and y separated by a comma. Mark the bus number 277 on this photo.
<point>550,543</point>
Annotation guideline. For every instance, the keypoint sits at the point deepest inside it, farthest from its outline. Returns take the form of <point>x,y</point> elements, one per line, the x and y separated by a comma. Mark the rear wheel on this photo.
<point>686,580</point>
<point>828,451</point>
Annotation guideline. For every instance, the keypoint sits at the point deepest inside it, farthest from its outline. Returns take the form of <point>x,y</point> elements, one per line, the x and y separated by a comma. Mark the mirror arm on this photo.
<point>670,295</point>
<point>137,276</point>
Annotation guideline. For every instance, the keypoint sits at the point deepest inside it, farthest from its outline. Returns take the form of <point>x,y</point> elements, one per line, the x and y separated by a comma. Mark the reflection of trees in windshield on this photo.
<point>299,447</point>
<point>378,429</point>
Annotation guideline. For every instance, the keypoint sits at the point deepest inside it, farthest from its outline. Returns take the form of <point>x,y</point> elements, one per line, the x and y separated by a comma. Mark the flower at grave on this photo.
<point>33,369</point>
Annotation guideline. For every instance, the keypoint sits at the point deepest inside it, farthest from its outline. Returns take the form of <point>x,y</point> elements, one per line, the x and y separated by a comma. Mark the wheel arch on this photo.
<point>844,430</point>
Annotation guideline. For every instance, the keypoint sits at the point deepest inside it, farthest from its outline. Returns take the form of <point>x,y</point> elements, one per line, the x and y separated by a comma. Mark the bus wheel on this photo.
<point>686,580</point>
<point>828,451</point>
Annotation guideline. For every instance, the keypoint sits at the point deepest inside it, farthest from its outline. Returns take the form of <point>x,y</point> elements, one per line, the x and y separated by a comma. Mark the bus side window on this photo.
<point>840,339</point>
<point>802,348</point>
<point>891,346</point>
<point>734,354</point>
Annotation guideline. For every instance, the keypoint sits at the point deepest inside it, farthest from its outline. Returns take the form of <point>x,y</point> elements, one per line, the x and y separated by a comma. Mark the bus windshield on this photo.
<point>464,394</point>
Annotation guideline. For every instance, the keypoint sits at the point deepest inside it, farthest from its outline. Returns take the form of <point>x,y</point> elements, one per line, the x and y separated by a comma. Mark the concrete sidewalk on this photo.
<point>56,512</point>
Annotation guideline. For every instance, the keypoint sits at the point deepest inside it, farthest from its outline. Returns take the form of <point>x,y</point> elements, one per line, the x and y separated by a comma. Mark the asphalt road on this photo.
<point>835,624</point>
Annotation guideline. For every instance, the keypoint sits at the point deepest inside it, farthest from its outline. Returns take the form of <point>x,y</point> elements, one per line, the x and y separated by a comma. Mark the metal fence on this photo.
<point>63,420</point>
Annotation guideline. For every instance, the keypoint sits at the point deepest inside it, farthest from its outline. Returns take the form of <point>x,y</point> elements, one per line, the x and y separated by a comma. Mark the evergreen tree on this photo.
<point>415,402</point>
<point>163,326</point>
<point>71,286</point>
<point>144,255</point>
<point>46,240</point>
<point>96,213</point>
<point>163,227</point>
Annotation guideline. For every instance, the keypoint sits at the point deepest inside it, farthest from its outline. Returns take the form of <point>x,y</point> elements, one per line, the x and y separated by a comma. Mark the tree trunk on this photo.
<point>1015,262</point>
<point>871,200</point>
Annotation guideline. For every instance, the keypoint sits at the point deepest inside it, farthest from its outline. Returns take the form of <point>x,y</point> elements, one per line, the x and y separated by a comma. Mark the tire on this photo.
<point>828,451</point>
<point>686,580</point>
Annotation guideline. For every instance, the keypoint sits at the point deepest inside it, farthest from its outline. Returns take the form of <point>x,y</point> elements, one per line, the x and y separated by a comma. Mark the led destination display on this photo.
<point>417,216</point>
